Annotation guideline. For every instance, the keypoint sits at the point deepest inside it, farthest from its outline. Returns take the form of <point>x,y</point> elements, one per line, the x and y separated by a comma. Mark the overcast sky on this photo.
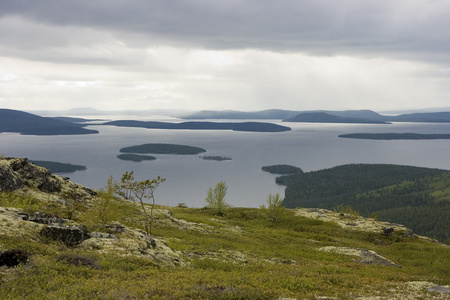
<point>225,54</point>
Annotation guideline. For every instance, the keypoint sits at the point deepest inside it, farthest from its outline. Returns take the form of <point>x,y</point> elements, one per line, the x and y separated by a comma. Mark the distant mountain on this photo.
<point>322,117</point>
<point>233,114</point>
<point>279,114</point>
<point>438,117</point>
<point>244,126</point>
<point>29,124</point>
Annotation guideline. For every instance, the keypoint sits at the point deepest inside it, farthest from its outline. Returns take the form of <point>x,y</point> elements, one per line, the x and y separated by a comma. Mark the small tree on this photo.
<point>139,190</point>
<point>274,209</point>
<point>103,200</point>
<point>215,197</point>
<point>145,190</point>
<point>124,189</point>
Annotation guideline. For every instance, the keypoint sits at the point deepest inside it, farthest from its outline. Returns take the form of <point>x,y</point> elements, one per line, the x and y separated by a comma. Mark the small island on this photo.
<point>215,157</point>
<point>135,157</point>
<point>57,167</point>
<point>395,136</point>
<point>163,149</point>
<point>282,169</point>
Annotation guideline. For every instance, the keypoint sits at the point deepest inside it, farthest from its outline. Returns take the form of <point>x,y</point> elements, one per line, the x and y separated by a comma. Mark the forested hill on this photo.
<point>414,196</point>
<point>26,123</point>
<point>322,117</point>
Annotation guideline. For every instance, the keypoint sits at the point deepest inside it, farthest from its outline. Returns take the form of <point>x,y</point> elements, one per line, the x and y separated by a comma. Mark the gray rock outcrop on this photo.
<point>69,235</point>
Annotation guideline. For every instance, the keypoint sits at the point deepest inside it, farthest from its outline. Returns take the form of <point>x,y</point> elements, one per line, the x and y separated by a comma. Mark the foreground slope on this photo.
<point>197,254</point>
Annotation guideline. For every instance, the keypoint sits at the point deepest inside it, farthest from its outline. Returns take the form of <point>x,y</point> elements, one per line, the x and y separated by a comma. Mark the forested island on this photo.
<point>29,124</point>
<point>215,157</point>
<point>243,126</point>
<point>282,169</point>
<point>395,136</point>
<point>57,167</point>
<point>135,157</point>
<point>163,149</point>
<point>414,196</point>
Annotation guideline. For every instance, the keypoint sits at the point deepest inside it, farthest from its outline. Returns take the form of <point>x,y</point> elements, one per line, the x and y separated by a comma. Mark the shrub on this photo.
<point>274,209</point>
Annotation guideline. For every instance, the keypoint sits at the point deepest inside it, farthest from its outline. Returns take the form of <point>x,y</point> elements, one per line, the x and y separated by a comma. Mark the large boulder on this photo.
<point>69,235</point>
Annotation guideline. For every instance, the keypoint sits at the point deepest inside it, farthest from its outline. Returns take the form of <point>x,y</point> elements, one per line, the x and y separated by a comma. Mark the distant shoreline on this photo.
<point>395,136</point>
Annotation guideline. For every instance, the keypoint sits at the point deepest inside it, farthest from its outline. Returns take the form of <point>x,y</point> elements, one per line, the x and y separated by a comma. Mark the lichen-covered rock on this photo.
<point>44,218</point>
<point>69,235</point>
<point>367,257</point>
<point>19,174</point>
<point>103,235</point>
<point>134,242</point>
<point>9,181</point>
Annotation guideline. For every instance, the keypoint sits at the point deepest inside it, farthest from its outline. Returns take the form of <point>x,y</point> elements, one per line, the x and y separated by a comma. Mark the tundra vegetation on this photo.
<point>241,254</point>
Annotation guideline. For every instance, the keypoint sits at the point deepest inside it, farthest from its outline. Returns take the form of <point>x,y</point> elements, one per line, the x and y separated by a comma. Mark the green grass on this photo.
<point>241,255</point>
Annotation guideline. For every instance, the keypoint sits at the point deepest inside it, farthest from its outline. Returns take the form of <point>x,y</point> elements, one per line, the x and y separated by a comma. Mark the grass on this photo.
<point>241,255</point>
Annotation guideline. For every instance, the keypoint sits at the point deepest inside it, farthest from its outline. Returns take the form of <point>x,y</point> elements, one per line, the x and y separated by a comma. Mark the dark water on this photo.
<point>308,146</point>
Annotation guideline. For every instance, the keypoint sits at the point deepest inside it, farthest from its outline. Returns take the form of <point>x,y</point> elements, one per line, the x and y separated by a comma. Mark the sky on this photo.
<point>225,54</point>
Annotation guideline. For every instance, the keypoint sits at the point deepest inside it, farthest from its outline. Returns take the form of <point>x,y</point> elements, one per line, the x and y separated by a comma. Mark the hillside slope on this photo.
<point>307,254</point>
<point>414,196</point>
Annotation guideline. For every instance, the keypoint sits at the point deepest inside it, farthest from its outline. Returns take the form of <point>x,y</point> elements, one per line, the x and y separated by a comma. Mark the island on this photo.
<point>135,157</point>
<point>163,149</point>
<point>29,124</point>
<point>396,136</point>
<point>215,157</point>
<point>322,117</point>
<point>234,126</point>
<point>57,167</point>
<point>282,169</point>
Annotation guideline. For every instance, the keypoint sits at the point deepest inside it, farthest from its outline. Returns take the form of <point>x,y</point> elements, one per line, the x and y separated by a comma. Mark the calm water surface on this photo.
<point>308,146</point>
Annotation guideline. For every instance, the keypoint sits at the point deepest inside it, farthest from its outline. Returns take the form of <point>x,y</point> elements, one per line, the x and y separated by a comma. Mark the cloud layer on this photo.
<point>244,54</point>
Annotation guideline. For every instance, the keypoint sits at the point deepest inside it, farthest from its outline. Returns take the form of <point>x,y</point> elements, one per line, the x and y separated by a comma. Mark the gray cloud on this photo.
<point>408,29</point>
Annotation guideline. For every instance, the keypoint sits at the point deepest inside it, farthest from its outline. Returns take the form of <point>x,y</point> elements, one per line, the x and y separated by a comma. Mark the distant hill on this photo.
<point>233,114</point>
<point>29,124</point>
<point>438,117</point>
<point>245,126</point>
<point>417,197</point>
<point>361,116</point>
<point>322,117</point>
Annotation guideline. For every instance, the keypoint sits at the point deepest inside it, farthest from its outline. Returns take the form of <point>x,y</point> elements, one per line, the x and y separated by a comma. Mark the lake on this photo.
<point>308,146</point>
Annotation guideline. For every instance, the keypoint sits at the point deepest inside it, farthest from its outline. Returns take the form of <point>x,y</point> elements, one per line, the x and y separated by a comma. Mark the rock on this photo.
<point>116,227</point>
<point>14,257</point>
<point>439,289</point>
<point>69,235</point>
<point>9,181</point>
<point>44,218</point>
<point>367,257</point>
<point>387,231</point>
<point>103,235</point>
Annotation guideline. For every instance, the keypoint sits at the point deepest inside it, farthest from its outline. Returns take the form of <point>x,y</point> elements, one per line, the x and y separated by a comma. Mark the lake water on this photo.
<point>308,146</point>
